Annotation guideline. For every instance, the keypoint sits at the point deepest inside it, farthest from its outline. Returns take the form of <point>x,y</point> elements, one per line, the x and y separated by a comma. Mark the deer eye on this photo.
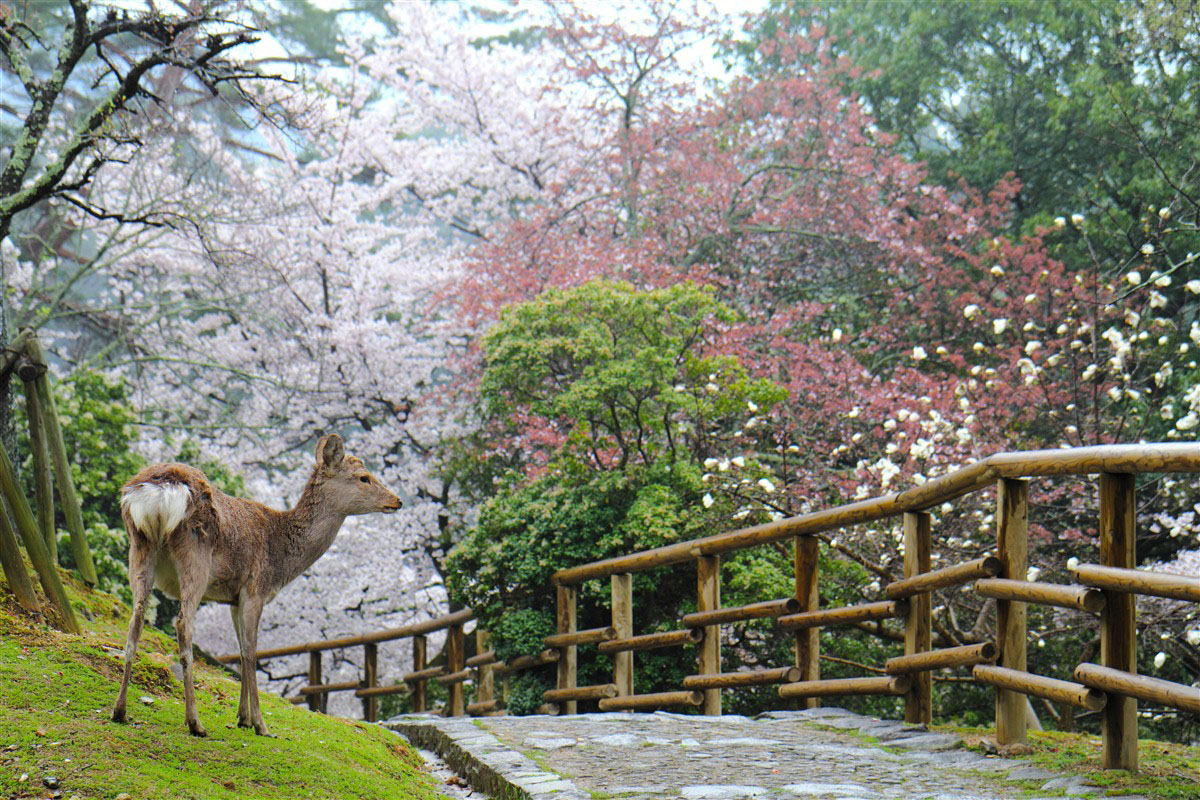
<point>365,479</point>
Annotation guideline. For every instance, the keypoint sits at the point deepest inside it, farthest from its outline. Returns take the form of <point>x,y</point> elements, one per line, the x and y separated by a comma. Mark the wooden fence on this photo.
<point>1107,591</point>
<point>51,468</point>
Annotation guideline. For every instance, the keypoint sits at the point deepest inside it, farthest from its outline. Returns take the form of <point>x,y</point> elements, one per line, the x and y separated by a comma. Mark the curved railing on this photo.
<point>1105,590</point>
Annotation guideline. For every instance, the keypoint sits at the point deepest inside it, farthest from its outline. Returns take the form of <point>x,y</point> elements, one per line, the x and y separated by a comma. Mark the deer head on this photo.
<point>345,485</point>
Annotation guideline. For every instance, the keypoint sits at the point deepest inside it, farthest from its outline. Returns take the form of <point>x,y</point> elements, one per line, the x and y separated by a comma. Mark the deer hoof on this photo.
<point>261,729</point>
<point>118,714</point>
<point>244,722</point>
<point>197,729</point>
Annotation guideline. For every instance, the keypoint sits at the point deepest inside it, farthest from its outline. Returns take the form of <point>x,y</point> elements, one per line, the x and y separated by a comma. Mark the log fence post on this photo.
<point>67,496</point>
<point>622,622</point>
<point>420,696</point>
<point>708,598</point>
<point>1012,546</point>
<point>1118,626</point>
<point>316,702</point>
<point>567,621</point>
<point>43,486</point>
<point>806,550</point>
<point>485,682</point>
<point>14,566</point>
<point>370,681</point>
<point>918,702</point>
<point>455,662</point>
<point>35,545</point>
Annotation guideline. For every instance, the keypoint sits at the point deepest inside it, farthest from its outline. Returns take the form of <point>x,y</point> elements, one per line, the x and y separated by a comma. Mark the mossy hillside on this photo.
<point>56,694</point>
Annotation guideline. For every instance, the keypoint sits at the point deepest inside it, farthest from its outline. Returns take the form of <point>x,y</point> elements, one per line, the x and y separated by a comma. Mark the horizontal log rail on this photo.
<point>482,659</point>
<point>403,632</point>
<point>723,616</point>
<point>484,707</point>
<point>383,691</point>
<point>1116,458</point>
<point>590,636</point>
<point>652,641</point>
<point>944,578</point>
<point>1139,581</point>
<point>1079,598</point>
<point>967,655</point>
<point>732,680</point>
<point>424,674</point>
<point>454,677</point>
<point>1152,690</point>
<point>847,615</point>
<point>898,685</point>
<point>325,688</point>
<point>597,692</point>
<point>527,662</point>
<point>644,702</point>
<point>1074,694</point>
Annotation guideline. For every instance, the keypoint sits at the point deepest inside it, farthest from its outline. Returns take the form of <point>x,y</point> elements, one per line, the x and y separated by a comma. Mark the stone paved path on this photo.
<point>822,754</point>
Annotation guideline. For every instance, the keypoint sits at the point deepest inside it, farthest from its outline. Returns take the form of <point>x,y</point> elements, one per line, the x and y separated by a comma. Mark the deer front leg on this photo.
<point>251,611</point>
<point>141,580</point>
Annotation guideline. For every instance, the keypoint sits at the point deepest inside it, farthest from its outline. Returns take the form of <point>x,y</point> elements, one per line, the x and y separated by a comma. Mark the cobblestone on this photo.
<point>820,754</point>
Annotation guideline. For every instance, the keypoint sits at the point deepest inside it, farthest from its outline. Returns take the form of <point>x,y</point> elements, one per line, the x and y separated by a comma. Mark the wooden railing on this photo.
<point>483,668</point>
<point>1106,590</point>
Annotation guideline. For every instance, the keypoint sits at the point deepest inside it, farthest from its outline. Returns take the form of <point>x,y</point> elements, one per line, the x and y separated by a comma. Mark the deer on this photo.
<point>197,543</point>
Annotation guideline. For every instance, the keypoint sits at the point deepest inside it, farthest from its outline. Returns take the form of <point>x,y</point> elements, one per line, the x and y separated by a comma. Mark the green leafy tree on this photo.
<point>602,404</point>
<point>1091,105</point>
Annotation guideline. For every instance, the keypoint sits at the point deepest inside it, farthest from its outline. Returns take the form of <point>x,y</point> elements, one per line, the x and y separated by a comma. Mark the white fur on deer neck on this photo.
<point>156,509</point>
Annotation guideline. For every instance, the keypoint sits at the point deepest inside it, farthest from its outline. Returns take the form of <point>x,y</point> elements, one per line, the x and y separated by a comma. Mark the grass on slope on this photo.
<point>56,695</point>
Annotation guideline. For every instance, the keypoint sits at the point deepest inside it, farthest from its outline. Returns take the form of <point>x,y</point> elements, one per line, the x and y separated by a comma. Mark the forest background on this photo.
<point>583,279</point>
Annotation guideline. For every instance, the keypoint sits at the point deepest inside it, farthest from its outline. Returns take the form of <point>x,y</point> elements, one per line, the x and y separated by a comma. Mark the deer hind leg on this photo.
<point>243,717</point>
<point>193,569</point>
<point>251,611</point>
<point>141,581</point>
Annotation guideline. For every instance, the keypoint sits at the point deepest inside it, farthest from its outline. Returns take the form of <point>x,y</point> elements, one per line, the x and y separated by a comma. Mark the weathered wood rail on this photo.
<point>1107,590</point>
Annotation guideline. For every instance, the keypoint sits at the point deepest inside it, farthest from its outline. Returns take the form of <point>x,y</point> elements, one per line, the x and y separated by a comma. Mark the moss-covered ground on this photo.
<point>56,695</point>
<point>1166,771</point>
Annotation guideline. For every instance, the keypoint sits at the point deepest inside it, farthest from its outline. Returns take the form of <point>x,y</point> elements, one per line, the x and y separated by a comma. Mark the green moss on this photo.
<point>56,694</point>
<point>1166,771</point>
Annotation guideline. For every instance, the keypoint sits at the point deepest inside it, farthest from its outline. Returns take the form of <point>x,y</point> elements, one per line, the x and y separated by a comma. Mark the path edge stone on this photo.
<point>467,749</point>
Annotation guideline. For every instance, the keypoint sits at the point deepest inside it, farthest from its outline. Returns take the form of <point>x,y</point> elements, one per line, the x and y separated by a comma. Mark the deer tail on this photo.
<point>156,509</point>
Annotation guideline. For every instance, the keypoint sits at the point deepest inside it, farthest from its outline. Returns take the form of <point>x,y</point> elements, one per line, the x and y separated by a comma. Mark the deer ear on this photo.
<point>330,452</point>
